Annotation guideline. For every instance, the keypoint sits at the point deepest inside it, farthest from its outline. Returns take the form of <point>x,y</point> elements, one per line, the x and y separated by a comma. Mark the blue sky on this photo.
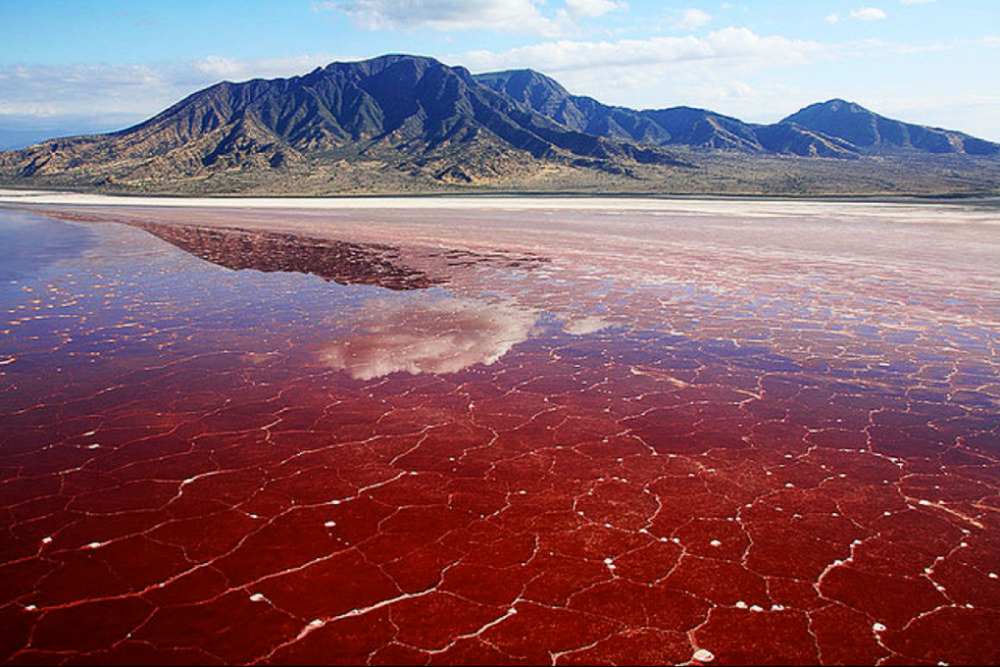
<point>70,66</point>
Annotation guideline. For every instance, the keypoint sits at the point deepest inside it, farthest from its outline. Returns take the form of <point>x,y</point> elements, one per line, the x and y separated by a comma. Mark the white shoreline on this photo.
<point>915,212</point>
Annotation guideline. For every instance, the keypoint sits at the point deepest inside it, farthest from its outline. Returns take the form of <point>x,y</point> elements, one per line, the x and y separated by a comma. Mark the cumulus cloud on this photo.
<point>916,2</point>
<point>512,15</point>
<point>692,19</point>
<point>591,8</point>
<point>733,47</point>
<point>869,14</point>
<point>832,18</point>
<point>419,336</point>
<point>524,16</point>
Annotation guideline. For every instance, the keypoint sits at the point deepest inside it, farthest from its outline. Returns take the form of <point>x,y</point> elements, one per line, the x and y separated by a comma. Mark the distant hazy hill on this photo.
<point>407,123</point>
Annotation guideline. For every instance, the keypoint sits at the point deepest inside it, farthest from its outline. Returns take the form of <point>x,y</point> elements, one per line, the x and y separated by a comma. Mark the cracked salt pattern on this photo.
<point>729,443</point>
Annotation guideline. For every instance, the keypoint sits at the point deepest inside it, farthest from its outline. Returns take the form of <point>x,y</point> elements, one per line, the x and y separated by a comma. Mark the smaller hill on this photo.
<point>873,134</point>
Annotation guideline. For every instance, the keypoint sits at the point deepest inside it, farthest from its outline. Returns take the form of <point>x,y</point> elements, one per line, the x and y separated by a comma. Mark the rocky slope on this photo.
<point>405,112</point>
<point>872,134</point>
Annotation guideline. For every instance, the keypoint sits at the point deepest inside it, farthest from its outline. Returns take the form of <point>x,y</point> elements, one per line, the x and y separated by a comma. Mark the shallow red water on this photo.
<point>560,460</point>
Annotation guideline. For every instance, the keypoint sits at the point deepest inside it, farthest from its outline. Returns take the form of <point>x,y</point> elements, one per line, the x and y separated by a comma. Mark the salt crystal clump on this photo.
<point>878,627</point>
<point>703,655</point>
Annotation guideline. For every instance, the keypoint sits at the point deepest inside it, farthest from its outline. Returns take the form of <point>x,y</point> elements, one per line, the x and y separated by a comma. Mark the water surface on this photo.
<point>700,440</point>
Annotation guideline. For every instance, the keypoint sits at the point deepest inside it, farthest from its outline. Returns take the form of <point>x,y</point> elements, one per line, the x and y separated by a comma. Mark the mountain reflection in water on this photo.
<point>340,261</point>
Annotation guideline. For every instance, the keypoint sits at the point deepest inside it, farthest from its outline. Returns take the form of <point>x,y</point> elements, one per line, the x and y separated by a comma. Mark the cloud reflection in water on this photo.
<point>443,335</point>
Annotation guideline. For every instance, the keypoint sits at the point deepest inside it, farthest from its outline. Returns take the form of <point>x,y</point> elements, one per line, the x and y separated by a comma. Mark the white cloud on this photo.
<point>591,8</point>
<point>728,70</point>
<point>504,15</point>
<point>833,18</point>
<point>738,48</point>
<point>869,14</point>
<point>420,336</point>
<point>51,101</point>
<point>585,325</point>
<point>129,90</point>
<point>916,2</point>
<point>525,16</point>
<point>692,19</point>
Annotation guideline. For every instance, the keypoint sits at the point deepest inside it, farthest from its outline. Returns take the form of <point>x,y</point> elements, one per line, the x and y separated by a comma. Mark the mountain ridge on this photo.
<point>818,130</point>
<point>415,123</point>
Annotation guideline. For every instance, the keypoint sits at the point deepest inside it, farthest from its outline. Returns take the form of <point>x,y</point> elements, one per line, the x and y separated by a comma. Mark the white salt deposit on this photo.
<point>703,655</point>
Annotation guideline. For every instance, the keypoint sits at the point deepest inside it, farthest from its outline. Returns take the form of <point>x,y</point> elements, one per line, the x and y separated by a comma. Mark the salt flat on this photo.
<point>503,430</point>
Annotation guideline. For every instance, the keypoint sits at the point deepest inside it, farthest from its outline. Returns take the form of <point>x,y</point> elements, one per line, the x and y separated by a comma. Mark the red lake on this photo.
<point>499,431</point>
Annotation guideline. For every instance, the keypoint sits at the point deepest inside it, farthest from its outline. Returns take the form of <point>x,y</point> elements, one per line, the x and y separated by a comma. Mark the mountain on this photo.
<point>835,129</point>
<point>875,134</point>
<point>408,113</point>
<point>583,114</point>
<point>402,123</point>
<point>676,126</point>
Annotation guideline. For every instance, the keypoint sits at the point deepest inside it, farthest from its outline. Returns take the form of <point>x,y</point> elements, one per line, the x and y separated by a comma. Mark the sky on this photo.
<point>75,66</point>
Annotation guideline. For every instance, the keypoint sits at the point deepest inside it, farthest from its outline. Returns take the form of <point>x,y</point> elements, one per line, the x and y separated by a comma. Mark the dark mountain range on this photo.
<point>399,123</point>
<point>409,112</point>
<point>832,129</point>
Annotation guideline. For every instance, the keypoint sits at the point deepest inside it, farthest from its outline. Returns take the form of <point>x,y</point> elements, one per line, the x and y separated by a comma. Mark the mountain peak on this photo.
<point>834,106</point>
<point>877,134</point>
<point>528,87</point>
